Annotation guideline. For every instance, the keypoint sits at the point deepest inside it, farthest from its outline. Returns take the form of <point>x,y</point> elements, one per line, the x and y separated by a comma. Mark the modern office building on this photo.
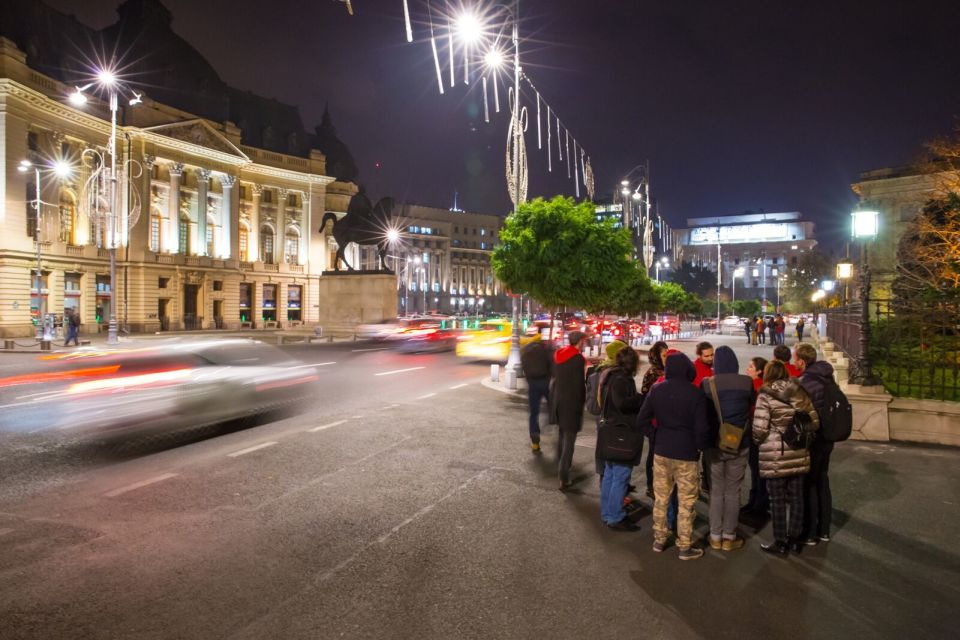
<point>231,186</point>
<point>763,245</point>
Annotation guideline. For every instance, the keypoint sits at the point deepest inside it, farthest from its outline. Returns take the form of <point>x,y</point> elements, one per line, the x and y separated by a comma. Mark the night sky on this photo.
<point>737,105</point>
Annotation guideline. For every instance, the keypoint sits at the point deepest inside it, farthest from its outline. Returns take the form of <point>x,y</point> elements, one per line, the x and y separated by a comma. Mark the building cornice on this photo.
<point>187,147</point>
<point>50,106</point>
<point>254,169</point>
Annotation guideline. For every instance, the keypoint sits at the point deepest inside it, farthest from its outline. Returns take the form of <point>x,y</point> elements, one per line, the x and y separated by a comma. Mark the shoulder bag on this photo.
<point>730,434</point>
<point>617,439</point>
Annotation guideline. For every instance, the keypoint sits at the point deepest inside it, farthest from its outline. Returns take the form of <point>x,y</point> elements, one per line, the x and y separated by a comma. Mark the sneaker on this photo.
<point>691,554</point>
<point>716,544</point>
<point>775,549</point>
<point>658,547</point>
<point>627,501</point>
<point>825,538</point>
<point>535,447</point>
<point>624,525</point>
<point>810,542</point>
<point>565,486</point>
<point>733,545</point>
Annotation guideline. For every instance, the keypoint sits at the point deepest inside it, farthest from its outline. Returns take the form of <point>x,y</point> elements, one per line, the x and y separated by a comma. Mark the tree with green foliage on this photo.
<point>745,308</point>
<point>558,253</point>
<point>675,299</point>
<point>637,295</point>
<point>698,280</point>
<point>803,278</point>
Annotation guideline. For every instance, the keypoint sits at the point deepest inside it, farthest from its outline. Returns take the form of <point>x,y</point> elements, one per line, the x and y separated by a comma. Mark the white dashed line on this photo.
<point>390,373</point>
<point>424,397</point>
<point>326,426</point>
<point>242,452</point>
<point>137,485</point>
<point>460,386</point>
<point>371,349</point>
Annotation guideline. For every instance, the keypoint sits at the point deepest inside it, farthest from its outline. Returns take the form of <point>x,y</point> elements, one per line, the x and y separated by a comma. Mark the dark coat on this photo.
<point>569,388</point>
<point>680,412</point>
<point>776,404</point>
<point>536,358</point>
<point>736,394</point>
<point>813,380</point>
<point>623,402</point>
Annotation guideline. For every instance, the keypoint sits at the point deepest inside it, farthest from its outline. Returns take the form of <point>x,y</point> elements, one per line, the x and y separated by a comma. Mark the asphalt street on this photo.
<point>406,504</point>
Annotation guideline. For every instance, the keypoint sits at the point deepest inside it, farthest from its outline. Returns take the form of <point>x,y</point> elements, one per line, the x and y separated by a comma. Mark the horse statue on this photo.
<point>364,224</point>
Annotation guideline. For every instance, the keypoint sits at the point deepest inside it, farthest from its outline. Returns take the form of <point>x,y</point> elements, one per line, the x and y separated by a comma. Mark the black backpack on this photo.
<point>799,432</point>
<point>592,402</point>
<point>836,417</point>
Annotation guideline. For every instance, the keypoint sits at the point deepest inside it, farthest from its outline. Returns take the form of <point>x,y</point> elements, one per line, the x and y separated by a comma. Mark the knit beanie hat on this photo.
<point>612,350</point>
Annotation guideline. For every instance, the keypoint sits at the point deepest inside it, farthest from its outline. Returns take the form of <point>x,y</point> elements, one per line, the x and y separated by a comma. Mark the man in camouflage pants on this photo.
<point>685,474</point>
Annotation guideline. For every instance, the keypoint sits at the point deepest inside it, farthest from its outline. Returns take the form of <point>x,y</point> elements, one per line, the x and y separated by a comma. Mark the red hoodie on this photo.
<point>703,371</point>
<point>793,371</point>
<point>562,355</point>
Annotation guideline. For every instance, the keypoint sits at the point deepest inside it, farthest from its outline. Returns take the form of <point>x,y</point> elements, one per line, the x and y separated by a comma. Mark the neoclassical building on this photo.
<point>231,191</point>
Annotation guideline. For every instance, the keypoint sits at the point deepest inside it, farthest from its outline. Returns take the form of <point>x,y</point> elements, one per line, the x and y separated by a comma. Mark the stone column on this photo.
<point>141,230</point>
<point>203,183</point>
<point>225,247</point>
<point>253,238</point>
<point>173,210</point>
<point>280,246</point>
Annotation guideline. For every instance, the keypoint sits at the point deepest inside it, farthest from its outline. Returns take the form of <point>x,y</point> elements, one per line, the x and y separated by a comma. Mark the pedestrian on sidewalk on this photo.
<point>758,503</point>
<point>816,376</point>
<point>620,404</point>
<point>650,378</point>
<point>760,332</point>
<point>800,326</point>
<point>536,359</point>
<point>781,397</point>
<point>730,398</point>
<point>748,329</point>
<point>600,371</point>
<point>72,322</point>
<point>780,326</point>
<point>772,329</point>
<point>567,396</point>
<point>681,433</point>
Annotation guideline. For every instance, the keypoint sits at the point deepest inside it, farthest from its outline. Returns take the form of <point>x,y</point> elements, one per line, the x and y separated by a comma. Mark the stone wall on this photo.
<point>348,299</point>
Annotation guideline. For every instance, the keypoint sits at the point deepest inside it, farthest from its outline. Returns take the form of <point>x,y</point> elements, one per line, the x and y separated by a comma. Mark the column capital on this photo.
<point>149,161</point>
<point>204,174</point>
<point>176,169</point>
<point>257,189</point>
<point>227,180</point>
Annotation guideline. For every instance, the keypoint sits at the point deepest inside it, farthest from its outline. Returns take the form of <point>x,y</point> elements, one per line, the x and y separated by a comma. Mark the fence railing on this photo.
<point>915,349</point>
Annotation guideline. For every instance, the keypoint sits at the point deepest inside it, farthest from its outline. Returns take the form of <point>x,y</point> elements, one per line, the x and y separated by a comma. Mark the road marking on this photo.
<point>460,386</point>
<point>371,349</point>
<point>390,373</point>
<point>243,452</point>
<point>316,364</point>
<point>326,426</point>
<point>137,485</point>
<point>424,397</point>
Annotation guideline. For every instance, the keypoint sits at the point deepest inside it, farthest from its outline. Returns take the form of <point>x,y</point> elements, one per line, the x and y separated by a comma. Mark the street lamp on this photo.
<point>865,227</point>
<point>738,272</point>
<point>662,262</point>
<point>62,170</point>
<point>111,197</point>
<point>844,273</point>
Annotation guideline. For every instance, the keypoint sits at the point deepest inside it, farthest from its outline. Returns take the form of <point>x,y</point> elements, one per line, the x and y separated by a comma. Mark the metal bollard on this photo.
<point>495,373</point>
<point>44,345</point>
<point>511,379</point>
<point>8,344</point>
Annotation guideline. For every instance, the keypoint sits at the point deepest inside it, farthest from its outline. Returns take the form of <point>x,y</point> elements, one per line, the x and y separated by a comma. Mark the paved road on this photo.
<point>408,505</point>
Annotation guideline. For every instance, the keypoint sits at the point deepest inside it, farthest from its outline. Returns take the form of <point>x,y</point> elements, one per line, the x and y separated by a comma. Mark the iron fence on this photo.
<point>915,349</point>
<point>192,322</point>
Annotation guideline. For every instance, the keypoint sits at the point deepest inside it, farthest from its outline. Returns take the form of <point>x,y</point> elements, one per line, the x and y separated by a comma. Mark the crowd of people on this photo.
<point>758,329</point>
<point>703,424</point>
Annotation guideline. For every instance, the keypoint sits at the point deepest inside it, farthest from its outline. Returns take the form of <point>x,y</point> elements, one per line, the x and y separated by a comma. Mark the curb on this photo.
<point>497,386</point>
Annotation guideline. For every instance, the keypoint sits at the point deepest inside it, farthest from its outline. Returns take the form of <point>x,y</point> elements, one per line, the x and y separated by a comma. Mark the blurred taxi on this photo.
<point>158,388</point>
<point>490,341</point>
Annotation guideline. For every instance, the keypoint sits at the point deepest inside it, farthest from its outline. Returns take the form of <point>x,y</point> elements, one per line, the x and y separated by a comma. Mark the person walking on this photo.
<point>758,502</point>
<point>620,403</point>
<point>72,321</point>
<point>800,325</point>
<point>536,359</point>
<point>568,395</point>
<point>781,398</point>
<point>650,377</point>
<point>730,398</point>
<point>815,377</point>
<point>679,410</point>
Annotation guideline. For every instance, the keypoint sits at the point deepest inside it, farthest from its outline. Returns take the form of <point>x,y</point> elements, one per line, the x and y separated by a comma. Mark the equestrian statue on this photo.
<point>364,224</point>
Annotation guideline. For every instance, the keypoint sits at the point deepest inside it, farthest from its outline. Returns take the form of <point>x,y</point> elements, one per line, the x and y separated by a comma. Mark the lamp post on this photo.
<point>738,272</point>
<point>118,222</point>
<point>844,273</point>
<point>62,170</point>
<point>662,262</point>
<point>864,227</point>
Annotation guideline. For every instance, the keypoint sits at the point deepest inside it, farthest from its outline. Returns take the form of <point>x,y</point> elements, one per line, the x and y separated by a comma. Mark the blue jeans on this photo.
<point>538,389</point>
<point>616,477</point>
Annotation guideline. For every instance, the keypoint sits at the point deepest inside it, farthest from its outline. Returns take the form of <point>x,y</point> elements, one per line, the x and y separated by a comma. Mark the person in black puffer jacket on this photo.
<point>681,433</point>
<point>566,400</point>
<point>736,397</point>
<point>620,402</point>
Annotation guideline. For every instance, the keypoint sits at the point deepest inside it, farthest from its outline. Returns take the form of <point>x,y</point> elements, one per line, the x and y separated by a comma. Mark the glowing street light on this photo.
<point>468,28</point>
<point>865,227</point>
<point>737,273</point>
<point>494,59</point>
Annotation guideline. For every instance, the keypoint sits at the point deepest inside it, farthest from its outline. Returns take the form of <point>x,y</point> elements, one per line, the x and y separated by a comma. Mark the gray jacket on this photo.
<point>776,404</point>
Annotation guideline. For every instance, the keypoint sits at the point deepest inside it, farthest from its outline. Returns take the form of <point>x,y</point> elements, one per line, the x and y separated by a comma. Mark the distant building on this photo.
<point>443,261</point>
<point>764,245</point>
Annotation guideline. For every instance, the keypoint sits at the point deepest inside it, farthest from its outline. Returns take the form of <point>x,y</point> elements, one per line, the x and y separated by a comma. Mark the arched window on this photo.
<point>68,217</point>
<point>155,218</point>
<point>291,247</point>
<point>266,244</point>
<point>244,241</point>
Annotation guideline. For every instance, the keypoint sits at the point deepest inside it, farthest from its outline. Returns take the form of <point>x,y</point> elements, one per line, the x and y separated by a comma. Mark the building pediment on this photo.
<point>200,133</point>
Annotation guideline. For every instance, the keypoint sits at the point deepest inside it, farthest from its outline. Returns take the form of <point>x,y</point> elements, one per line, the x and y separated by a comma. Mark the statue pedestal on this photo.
<point>350,298</point>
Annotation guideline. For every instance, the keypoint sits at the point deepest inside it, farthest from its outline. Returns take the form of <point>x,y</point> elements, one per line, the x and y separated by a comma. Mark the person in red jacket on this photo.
<point>782,353</point>
<point>704,363</point>
<point>566,397</point>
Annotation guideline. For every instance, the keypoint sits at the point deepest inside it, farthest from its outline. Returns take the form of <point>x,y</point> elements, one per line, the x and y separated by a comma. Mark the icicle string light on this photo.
<point>539,141</point>
<point>567,149</point>
<point>453,80</point>
<point>549,146</point>
<point>486,103</point>
<point>559,142</point>
<point>406,20</point>
<point>576,175</point>
<point>496,95</point>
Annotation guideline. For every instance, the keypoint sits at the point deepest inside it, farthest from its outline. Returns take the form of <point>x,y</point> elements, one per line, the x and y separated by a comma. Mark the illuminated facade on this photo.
<point>228,231</point>
<point>764,245</point>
